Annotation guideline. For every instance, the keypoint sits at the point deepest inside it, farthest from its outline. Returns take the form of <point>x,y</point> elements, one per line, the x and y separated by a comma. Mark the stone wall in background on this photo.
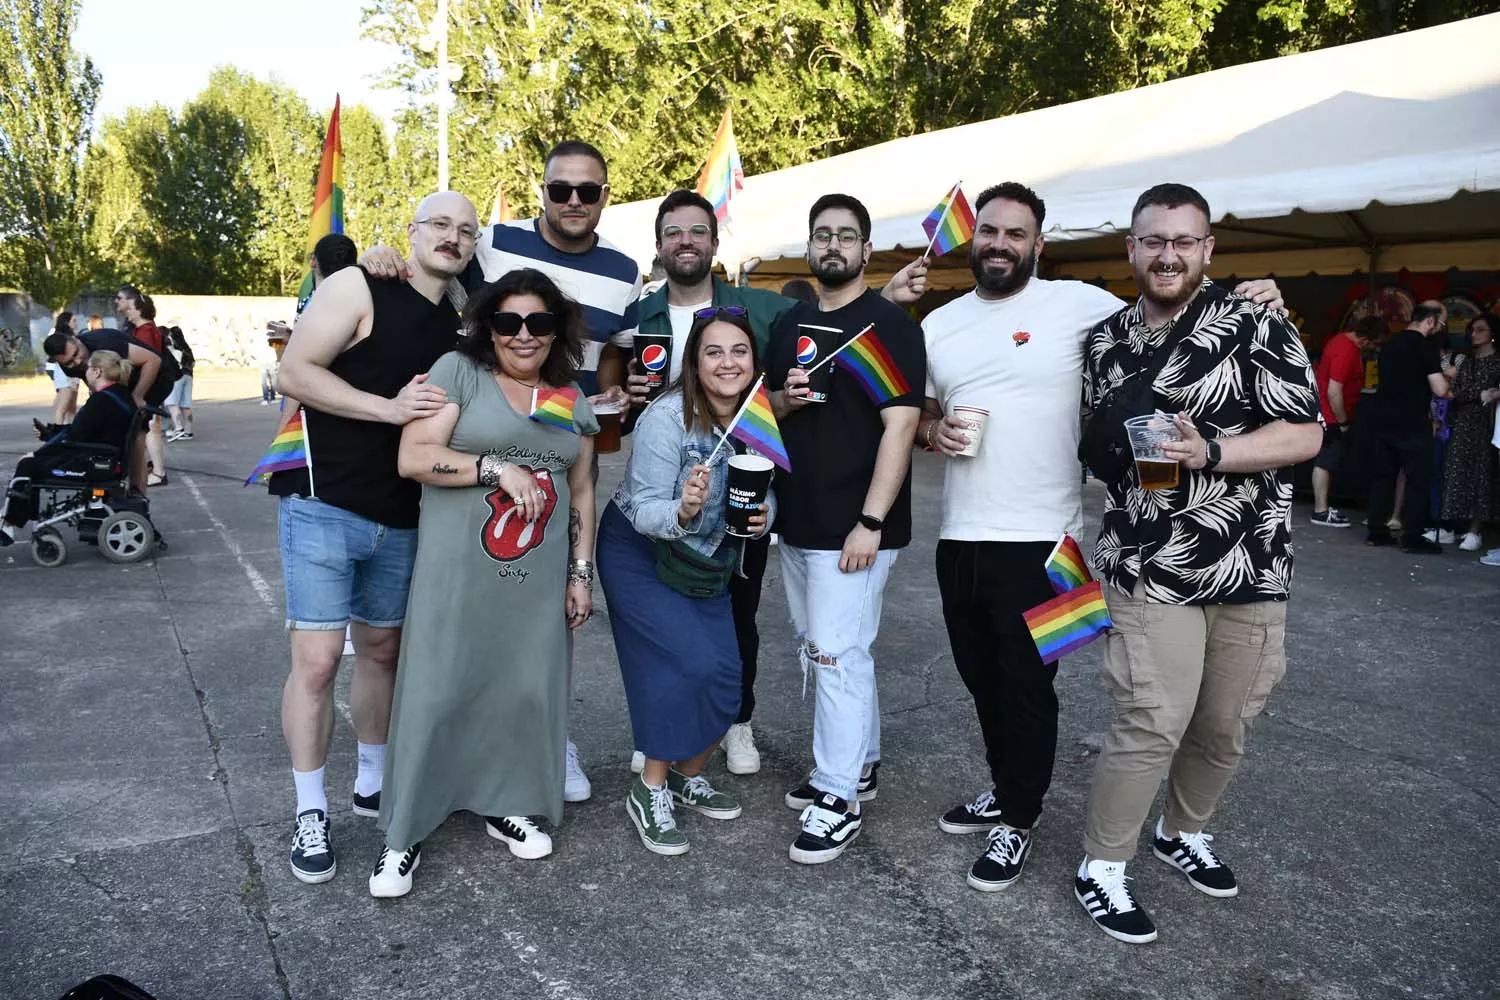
<point>224,331</point>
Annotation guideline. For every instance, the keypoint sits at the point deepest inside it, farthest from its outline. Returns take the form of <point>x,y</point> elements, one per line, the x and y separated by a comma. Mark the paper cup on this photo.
<point>749,482</point>
<point>973,418</point>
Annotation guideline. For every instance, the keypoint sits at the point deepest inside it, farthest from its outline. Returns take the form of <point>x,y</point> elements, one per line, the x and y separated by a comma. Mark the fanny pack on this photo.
<point>690,572</point>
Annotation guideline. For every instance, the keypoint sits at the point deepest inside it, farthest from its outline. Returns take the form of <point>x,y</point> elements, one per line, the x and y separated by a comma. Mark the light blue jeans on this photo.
<point>837,616</point>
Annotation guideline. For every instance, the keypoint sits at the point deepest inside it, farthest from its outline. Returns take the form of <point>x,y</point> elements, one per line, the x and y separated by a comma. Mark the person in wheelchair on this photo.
<point>105,419</point>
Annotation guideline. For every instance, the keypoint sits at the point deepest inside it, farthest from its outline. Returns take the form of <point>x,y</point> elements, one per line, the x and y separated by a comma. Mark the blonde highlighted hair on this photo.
<point>110,366</point>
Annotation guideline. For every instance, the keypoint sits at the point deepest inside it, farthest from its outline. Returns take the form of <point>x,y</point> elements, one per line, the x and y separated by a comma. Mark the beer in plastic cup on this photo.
<point>814,343</point>
<point>973,418</point>
<point>607,441</point>
<point>653,359</point>
<point>1147,436</point>
<point>749,482</point>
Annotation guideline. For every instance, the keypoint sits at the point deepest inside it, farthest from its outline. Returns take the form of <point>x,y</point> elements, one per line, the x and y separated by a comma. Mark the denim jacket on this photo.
<point>662,455</point>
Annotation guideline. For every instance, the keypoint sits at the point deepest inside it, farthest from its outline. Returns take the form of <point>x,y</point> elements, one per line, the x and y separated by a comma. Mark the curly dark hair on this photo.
<point>565,355</point>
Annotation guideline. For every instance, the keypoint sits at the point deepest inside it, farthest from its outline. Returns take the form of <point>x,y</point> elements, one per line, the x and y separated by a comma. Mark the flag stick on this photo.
<point>743,407</point>
<point>312,491</point>
<point>939,227</point>
<point>834,354</point>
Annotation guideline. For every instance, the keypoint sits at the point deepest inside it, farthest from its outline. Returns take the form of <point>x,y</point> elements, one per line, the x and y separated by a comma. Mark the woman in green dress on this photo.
<point>504,569</point>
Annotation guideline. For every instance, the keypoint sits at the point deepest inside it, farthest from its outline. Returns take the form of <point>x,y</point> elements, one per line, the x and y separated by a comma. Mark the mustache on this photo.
<point>1011,256</point>
<point>448,248</point>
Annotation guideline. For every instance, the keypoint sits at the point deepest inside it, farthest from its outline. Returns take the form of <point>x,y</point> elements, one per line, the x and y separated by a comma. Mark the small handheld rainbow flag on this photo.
<point>756,425</point>
<point>288,450</point>
<point>1066,567</point>
<point>722,177</point>
<point>555,407</point>
<point>951,223</point>
<point>1069,621</point>
<point>866,358</point>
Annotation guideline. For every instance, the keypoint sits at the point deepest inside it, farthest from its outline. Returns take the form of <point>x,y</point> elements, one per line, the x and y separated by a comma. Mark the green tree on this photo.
<point>46,114</point>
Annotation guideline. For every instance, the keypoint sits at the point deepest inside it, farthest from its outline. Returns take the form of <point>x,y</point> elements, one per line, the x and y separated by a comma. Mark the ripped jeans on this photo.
<point>838,615</point>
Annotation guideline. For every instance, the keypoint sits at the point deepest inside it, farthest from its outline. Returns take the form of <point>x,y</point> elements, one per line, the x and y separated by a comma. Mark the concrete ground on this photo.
<point>145,805</point>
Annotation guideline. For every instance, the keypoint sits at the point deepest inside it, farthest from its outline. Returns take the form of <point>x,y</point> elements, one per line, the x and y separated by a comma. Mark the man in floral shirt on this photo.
<point>1196,574</point>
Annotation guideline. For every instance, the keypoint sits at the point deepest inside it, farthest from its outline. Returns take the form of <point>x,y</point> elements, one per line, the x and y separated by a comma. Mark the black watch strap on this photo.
<point>1213,453</point>
<point>873,523</point>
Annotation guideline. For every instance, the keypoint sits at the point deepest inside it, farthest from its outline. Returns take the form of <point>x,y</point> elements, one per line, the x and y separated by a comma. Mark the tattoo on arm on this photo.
<point>575,525</point>
<point>442,469</point>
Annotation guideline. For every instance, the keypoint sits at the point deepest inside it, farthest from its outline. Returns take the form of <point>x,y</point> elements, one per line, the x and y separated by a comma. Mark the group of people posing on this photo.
<point>458,539</point>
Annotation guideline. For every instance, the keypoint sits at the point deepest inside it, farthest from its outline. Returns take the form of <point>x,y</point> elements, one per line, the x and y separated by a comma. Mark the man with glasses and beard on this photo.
<point>687,238</point>
<point>845,513</point>
<point>1015,347</point>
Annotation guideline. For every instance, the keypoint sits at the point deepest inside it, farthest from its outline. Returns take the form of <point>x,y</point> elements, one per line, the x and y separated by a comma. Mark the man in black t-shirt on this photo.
<point>1410,376</point>
<point>71,353</point>
<point>845,513</point>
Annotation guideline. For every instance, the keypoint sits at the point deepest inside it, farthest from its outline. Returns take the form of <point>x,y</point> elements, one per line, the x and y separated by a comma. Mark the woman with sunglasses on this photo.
<point>662,539</point>
<point>504,569</point>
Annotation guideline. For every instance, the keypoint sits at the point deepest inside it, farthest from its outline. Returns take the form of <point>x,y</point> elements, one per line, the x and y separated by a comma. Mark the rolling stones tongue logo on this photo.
<point>506,534</point>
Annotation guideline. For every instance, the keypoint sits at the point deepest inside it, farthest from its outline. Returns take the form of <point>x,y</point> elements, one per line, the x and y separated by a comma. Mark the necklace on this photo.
<point>529,385</point>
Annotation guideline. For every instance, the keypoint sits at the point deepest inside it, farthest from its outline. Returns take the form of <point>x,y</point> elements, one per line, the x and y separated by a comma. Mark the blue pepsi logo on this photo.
<point>654,358</point>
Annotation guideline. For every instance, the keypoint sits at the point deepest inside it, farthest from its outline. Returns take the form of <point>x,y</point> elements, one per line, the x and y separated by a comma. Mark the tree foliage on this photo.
<point>47,98</point>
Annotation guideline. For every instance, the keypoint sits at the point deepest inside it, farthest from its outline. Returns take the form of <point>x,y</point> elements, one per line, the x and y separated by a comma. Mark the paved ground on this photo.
<point>145,806</point>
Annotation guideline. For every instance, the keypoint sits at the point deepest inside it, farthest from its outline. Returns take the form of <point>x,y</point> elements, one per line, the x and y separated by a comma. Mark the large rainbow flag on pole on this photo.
<point>951,223</point>
<point>722,177</point>
<point>288,450</point>
<point>866,358</point>
<point>328,200</point>
<point>756,425</point>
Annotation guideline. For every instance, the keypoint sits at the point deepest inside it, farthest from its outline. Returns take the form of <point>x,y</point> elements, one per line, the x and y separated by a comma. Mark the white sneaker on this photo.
<point>392,875</point>
<point>1442,536</point>
<point>1471,542</point>
<point>637,762</point>
<point>576,787</point>
<point>525,839</point>
<point>739,748</point>
<point>1490,558</point>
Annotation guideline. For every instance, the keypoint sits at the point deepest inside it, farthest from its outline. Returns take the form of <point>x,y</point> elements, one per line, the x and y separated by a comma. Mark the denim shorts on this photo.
<point>181,394</point>
<point>339,567</point>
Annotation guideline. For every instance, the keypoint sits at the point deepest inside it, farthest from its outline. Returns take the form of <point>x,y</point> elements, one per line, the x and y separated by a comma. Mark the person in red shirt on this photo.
<point>1341,376</point>
<point>140,313</point>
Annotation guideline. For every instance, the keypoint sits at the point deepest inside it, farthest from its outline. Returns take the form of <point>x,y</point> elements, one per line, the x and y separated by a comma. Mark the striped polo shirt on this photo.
<point>604,280</point>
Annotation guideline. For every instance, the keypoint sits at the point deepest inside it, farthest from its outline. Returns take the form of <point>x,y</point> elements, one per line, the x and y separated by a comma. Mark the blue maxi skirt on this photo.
<point>678,655</point>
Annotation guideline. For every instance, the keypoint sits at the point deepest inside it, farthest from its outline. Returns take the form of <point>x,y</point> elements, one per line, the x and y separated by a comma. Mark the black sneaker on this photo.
<point>972,817</point>
<point>313,860</point>
<point>367,805</point>
<point>1380,538</point>
<point>1110,904</point>
<point>827,828</point>
<point>1190,854</point>
<point>1002,860</point>
<point>1422,547</point>
<point>868,788</point>
<point>1330,518</point>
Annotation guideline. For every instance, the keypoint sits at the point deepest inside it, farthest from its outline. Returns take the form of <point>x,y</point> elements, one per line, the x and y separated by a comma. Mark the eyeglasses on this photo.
<point>444,227</point>
<point>1154,245</point>
<point>561,192</point>
<point>714,312</point>
<point>846,237</point>
<point>539,324</point>
<point>698,230</point>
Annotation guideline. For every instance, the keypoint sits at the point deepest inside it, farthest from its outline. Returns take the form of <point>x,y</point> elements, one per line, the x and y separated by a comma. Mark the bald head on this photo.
<point>447,203</point>
<point>442,233</point>
<point>1429,317</point>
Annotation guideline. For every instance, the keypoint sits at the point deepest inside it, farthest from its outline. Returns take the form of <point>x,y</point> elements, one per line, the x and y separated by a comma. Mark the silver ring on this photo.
<point>519,501</point>
<point>541,493</point>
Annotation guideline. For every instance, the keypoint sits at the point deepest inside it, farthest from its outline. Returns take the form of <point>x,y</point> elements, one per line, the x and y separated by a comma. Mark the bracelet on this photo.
<point>931,426</point>
<point>490,467</point>
<point>581,571</point>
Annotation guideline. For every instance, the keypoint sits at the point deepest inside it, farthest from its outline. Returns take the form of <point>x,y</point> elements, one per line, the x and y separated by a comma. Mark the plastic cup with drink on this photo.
<point>607,441</point>
<point>1148,435</point>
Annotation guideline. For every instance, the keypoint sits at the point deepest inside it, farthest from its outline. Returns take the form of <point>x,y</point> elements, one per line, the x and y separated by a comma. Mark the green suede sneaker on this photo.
<point>697,794</point>
<point>650,810</point>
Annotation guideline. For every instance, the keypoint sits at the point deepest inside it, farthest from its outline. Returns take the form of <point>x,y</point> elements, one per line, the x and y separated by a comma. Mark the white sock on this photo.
<point>371,769</point>
<point>1083,867</point>
<point>310,794</point>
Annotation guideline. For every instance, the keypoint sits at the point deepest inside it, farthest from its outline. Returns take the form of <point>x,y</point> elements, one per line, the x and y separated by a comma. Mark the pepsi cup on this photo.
<point>814,344</point>
<point>653,359</point>
<point>749,482</point>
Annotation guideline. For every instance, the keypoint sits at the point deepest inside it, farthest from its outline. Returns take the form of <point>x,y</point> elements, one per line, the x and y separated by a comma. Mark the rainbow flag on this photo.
<point>328,199</point>
<point>756,426</point>
<point>555,407</point>
<point>951,223</point>
<point>722,177</point>
<point>1069,621</point>
<point>1066,567</point>
<point>866,358</point>
<point>288,450</point>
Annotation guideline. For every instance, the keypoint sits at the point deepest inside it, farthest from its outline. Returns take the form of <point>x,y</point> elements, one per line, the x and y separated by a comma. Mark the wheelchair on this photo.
<point>87,487</point>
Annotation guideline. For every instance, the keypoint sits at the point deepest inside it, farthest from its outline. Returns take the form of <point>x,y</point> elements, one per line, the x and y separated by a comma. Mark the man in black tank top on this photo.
<point>359,365</point>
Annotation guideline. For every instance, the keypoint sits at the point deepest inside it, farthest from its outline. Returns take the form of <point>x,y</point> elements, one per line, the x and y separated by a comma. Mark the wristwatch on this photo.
<point>873,523</point>
<point>1213,453</point>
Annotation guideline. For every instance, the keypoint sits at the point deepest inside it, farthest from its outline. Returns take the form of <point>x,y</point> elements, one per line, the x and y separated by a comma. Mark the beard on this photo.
<point>1002,285</point>
<point>834,271</point>
<point>690,274</point>
<point>1190,277</point>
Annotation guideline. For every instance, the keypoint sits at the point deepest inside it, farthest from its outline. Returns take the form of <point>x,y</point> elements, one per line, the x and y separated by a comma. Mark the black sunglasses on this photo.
<point>508,324</point>
<point>714,312</point>
<point>588,192</point>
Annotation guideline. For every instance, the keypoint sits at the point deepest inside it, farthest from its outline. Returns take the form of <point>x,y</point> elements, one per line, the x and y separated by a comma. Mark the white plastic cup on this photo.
<point>1147,436</point>
<point>974,419</point>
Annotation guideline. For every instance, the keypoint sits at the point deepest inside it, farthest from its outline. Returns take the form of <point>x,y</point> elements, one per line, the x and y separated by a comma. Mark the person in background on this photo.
<point>1469,475</point>
<point>65,386</point>
<point>1341,376</point>
<point>270,366</point>
<point>96,322</point>
<point>180,402</point>
<point>140,318</point>
<point>800,289</point>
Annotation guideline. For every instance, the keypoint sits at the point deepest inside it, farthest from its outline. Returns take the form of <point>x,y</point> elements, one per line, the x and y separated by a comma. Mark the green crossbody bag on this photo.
<point>691,573</point>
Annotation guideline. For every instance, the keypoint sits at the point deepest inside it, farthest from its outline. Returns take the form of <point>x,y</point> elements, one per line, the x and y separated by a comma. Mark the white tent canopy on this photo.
<point>1313,159</point>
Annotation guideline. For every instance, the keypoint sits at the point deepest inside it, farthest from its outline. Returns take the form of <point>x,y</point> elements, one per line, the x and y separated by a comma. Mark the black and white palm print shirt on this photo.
<point>1216,537</point>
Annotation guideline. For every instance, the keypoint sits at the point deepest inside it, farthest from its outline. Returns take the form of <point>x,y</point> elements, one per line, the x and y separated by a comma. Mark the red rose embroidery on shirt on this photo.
<point>1020,337</point>
<point>506,534</point>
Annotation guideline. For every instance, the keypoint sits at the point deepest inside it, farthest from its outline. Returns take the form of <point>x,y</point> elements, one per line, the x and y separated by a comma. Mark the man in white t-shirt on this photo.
<point>1013,346</point>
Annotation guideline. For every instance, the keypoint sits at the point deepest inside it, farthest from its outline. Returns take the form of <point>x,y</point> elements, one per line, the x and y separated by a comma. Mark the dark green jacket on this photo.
<point>765,309</point>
